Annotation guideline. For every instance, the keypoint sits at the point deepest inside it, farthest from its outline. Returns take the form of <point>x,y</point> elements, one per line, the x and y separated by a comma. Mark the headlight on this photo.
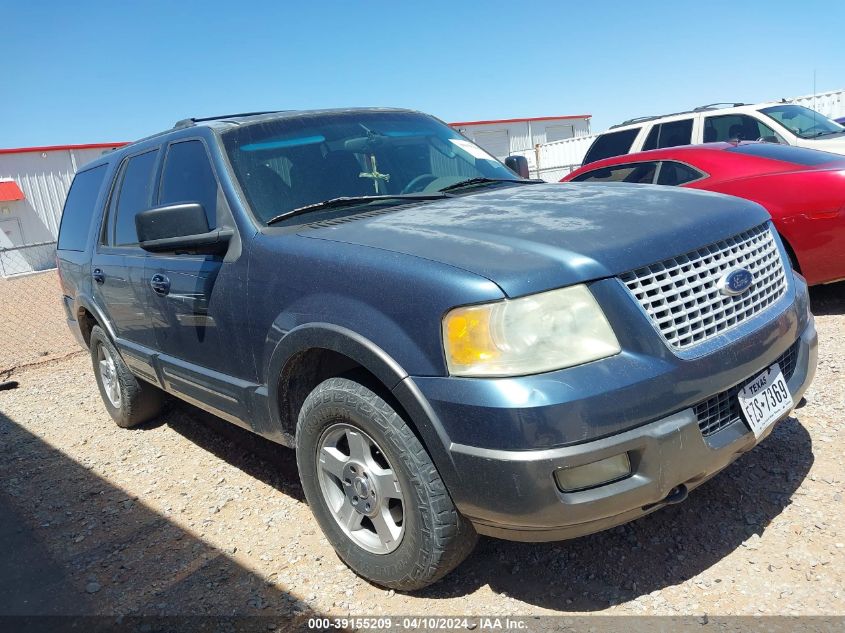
<point>530,335</point>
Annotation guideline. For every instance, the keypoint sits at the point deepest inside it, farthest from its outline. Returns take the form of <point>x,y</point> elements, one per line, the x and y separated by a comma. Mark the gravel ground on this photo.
<point>189,514</point>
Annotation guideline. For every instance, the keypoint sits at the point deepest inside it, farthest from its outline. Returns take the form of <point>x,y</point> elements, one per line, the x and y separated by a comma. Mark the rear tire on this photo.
<point>384,508</point>
<point>128,400</point>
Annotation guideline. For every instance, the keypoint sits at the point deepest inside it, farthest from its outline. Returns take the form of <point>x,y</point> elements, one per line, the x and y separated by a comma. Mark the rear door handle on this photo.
<point>98,275</point>
<point>160,284</point>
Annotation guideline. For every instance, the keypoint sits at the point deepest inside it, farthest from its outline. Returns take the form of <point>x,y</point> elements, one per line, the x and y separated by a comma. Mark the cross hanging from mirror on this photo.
<point>374,174</point>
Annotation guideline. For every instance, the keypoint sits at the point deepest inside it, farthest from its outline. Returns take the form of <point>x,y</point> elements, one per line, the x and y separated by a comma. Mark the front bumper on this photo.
<point>512,494</point>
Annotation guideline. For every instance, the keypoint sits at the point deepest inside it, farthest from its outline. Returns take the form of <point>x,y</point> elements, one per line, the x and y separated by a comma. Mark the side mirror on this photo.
<point>518,165</point>
<point>769,139</point>
<point>179,227</point>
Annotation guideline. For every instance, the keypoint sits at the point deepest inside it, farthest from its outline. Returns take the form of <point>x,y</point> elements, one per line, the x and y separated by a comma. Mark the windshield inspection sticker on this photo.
<point>471,149</point>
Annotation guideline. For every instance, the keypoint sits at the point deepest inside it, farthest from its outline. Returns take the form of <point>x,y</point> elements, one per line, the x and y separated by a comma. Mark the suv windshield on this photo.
<point>289,163</point>
<point>802,122</point>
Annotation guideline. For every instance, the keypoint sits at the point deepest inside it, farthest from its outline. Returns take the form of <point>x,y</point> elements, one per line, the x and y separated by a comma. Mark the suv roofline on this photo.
<point>228,120</point>
<point>703,108</point>
<point>191,121</point>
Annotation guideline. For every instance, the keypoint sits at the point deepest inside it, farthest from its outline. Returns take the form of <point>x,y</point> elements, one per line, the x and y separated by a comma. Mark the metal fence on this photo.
<point>32,321</point>
<point>19,260</point>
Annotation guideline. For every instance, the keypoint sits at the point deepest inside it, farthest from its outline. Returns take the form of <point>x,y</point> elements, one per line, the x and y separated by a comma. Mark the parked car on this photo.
<point>775,122</point>
<point>450,348</point>
<point>802,189</point>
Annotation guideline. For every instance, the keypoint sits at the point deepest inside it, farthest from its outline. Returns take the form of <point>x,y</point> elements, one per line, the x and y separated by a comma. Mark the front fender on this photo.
<point>337,339</point>
<point>385,368</point>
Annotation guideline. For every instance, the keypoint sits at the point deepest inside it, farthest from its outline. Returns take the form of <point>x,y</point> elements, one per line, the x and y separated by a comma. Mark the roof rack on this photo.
<point>715,106</point>
<point>709,106</point>
<point>643,119</point>
<point>194,120</point>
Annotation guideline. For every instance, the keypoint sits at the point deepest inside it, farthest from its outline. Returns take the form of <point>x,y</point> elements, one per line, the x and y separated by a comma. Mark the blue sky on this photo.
<point>81,72</point>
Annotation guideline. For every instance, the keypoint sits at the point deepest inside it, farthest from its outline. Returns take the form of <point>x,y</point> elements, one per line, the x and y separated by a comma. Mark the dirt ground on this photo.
<point>189,514</point>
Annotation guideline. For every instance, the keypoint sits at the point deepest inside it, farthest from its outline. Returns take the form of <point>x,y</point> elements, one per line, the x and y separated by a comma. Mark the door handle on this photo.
<point>98,275</point>
<point>160,284</point>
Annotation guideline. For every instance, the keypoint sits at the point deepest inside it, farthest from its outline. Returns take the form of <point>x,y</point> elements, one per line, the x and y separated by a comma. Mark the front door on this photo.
<point>194,304</point>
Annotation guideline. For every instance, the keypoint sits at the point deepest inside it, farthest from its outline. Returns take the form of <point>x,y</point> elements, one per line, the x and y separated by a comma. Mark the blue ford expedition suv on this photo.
<point>452,349</point>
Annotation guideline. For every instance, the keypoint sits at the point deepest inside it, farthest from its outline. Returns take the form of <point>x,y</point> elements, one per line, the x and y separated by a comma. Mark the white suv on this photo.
<point>775,122</point>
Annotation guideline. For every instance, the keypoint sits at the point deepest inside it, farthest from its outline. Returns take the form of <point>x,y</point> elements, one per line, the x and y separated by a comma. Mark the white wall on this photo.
<point>552,161</point>
<point>523,136</point>
<point>44,177</point>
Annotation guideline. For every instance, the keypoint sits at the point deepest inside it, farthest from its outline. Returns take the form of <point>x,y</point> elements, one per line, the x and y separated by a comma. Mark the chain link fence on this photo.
<point>32,320</point>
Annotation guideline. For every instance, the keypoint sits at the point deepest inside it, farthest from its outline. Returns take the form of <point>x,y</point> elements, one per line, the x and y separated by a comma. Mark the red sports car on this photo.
<point>803,190</point>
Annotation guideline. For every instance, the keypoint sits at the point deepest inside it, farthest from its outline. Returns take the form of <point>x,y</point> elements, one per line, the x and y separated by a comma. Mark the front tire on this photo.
<point>128,400</point>
<point>374,491</point>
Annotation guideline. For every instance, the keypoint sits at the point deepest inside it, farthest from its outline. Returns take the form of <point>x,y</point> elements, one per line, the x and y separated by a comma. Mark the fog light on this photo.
<point>594,474</point>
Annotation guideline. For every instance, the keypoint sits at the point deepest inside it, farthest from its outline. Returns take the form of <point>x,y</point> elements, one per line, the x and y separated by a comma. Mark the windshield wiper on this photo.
<point>348,201</point>
<point>481,180</point>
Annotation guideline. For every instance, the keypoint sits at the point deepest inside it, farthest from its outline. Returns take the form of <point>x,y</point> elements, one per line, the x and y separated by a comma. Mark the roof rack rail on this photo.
<point>194,120</point>
<point>643,119</point>
<point>714,106</point>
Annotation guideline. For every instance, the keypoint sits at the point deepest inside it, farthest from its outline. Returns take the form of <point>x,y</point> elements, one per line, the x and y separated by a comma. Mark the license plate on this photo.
<point>765,400</point>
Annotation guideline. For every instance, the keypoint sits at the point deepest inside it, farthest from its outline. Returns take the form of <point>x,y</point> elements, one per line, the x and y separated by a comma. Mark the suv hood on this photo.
<point>530,238</point>
<point>835,143</point>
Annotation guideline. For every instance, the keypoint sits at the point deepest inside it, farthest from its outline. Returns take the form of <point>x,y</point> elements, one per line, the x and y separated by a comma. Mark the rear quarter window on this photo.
<point>611,144</point>
<point>79,209</point>
<point>641,173</point>
<point>675,174</point>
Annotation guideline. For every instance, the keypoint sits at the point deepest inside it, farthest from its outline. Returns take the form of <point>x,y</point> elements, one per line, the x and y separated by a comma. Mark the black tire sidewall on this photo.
<point>99,339</point>
<point>381,568</point>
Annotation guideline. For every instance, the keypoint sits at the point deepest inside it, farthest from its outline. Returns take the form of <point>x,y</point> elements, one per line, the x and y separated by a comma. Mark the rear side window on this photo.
<point>675,174</point>
<point>188,177</point>
<point>611,144</point>
<point>737,127</point>
<point>669,134</point>
<point>642,173</point>
<point>79,209</point>
<point>136,189</point>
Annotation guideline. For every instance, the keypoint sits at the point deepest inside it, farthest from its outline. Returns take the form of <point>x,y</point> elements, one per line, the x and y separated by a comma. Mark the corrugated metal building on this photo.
<point>504,137</point>
<point>34,182</point>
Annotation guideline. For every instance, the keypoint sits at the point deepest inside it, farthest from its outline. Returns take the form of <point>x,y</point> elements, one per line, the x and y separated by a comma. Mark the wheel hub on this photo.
<point>360,489</point>
<point>108,374</point>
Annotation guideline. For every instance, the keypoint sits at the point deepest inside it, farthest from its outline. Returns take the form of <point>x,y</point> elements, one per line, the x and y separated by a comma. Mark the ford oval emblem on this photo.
<point>735,282</point>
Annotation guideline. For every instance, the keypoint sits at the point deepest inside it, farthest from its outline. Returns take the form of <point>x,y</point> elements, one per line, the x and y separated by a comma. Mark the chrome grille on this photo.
<point>719,411</point>
<point>681,297</point>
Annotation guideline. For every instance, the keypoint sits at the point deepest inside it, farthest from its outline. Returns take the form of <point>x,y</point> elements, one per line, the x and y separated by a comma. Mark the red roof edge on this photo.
<point>538,118</point>
<point>58,148</point>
